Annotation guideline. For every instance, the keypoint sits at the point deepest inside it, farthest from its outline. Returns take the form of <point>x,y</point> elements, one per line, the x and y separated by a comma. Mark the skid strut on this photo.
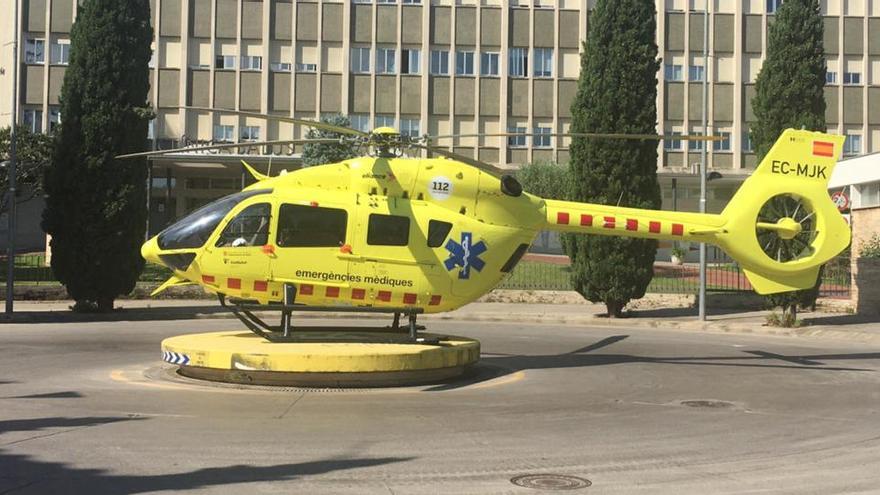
<point>284,332</point>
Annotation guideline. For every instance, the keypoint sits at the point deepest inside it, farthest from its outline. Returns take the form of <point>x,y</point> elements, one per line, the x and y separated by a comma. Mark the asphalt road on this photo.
<point>633,411</point>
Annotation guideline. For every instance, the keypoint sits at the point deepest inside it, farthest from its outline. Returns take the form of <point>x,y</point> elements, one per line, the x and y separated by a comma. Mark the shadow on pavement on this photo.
<point>159,313</point>
<point>843,319</point>
<point>23,474</point>
<point>51,395</point>
<point>496,365</point>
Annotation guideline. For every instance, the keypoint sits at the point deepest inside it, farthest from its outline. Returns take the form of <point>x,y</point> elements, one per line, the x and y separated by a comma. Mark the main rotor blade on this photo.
<point>594,135</point>
<point>485,167</point>
<point>248,144</point>
<point>309,123</point>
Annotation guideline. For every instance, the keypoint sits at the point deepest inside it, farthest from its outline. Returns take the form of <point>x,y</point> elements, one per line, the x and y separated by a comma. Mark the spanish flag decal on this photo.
<point>823,148</point>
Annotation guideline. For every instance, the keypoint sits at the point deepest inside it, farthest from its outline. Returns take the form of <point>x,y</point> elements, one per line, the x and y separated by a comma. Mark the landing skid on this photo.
<point>284,332</point>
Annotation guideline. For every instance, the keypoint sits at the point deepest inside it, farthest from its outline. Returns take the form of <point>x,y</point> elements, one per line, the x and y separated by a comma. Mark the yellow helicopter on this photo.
<point>386,233</point>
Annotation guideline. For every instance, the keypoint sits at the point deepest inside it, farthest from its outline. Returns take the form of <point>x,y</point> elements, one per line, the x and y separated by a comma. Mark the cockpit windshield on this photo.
<point>194,230</point>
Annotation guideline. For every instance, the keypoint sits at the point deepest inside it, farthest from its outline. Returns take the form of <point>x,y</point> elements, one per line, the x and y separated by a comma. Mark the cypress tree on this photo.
<point>319,154</point>
<point>96,204</point>
<point>789,92</point>
<point>617,92</point>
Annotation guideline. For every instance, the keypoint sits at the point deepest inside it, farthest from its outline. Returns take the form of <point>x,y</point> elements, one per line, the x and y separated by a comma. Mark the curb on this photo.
<point>756,328</point>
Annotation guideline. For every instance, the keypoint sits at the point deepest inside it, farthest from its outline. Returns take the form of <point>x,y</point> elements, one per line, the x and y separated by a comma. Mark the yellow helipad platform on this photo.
<point>242,357</point>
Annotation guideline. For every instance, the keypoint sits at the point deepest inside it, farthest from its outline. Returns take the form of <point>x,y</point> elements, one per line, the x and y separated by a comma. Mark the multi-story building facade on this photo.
<point>446,67</point>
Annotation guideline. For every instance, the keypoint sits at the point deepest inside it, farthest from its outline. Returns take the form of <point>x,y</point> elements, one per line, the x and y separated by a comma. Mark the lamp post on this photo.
<point>702,294</point>
<point>10,246</point>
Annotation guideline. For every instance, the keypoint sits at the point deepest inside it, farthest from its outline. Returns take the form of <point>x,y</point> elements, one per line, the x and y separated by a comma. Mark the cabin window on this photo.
<point>311,226</point>
<point>249,228</point>
<point>193,230</point>
<point>437,232</point>
<point>388,230</point>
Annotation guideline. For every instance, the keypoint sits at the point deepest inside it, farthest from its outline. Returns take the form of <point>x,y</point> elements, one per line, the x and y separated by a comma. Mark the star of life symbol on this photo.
<point>465,255</point>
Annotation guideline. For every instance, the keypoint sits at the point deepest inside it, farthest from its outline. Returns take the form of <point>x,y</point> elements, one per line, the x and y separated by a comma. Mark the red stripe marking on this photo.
<point>332,292</point>
<point>586,220</point>
<point>654,227</point>
<point>435,300</point>
<point>677,229</point>
<point>609,222</point>
<point>384,295</point>
<point>208,279</point>
<point>562,218</point>
<point>261,286</point>
<point>823,148</point>
<point>306,289</point>
<point>358,293</point>
<point>409,298</point>
<point>632,224</point>
<point>233,283</point>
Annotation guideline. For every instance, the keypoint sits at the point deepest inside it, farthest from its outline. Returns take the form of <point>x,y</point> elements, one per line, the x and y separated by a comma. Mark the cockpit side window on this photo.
<point>249,228</point>
<point>194,230</point>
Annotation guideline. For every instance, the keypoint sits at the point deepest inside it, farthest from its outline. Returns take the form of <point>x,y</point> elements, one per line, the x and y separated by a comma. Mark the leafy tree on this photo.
<point>33,153</point>
<point>319,154</point>
<point>545,179</point>
<point>617,93</point>
<point>96,204</point>
<point>789,92</point>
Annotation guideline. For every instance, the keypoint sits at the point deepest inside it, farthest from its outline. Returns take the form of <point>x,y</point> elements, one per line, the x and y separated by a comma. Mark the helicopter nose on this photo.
<point>150,251</point>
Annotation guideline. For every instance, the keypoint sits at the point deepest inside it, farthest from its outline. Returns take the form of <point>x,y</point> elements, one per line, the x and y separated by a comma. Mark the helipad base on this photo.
<point>242,357</point>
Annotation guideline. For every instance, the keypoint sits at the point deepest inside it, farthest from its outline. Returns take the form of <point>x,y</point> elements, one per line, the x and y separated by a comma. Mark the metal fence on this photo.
<point>538,272</point>
<point>554,273</point>
<point>30,268</point>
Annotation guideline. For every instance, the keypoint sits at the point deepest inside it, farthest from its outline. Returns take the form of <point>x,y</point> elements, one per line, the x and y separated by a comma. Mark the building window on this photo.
<point>724,144</point>
<point>61,52</point>
<point>33,120</point>
<point>410,61</point>
<point>672,144</point>
<point>35,51</point>
<point>696,145</point>
<point>224,133</point>
<point>464,63</point>
<point>360,60</point>
<point>250,133</point>
<point>852,78</point>
<point>868,195</point>
<point>673,72</point>
<point>280,67</point>
<point>54,119</point>
<point>542,138</point>
<point>516,141</point>
<point>385,60</point>
<point>852,145</point>
<point>385,121</point>
<point>440,62</point>
<point>386,1</point>
<point>830,77</point>
<point>360,122</point>
<point>307,67</point>
<point>410,127</point>
<point>543,62</point>
<point>151,129</point>
<point>748,144</point>
<point>489,64</point>
<point>518,60</point>
<point>411,2</point>
<point>224,62</point>
<point>251,62</point>
<point>695,73</point>
<point>773,6</point>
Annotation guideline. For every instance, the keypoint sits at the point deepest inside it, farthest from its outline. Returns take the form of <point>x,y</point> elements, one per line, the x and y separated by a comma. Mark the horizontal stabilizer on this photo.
<point>174,281</point>
<point>783,283</point>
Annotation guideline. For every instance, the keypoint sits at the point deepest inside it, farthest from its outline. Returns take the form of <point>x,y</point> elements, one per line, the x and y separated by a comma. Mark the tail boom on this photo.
<point>796,169</point>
